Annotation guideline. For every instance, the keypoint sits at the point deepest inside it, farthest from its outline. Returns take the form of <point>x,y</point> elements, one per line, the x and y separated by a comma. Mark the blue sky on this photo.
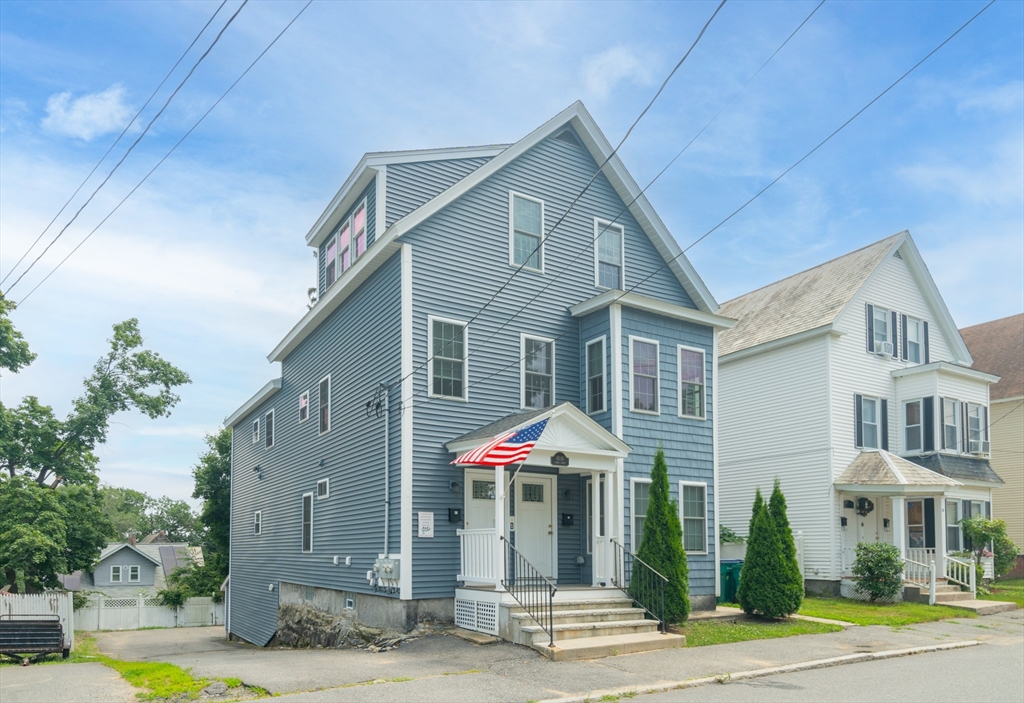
<point>209,254</point>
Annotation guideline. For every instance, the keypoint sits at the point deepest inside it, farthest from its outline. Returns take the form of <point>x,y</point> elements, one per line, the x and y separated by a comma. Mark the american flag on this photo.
<point>510,448</point>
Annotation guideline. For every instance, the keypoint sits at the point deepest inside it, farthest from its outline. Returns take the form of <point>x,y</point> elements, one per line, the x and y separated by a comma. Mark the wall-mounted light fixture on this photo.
<point>322,462</point>
<point>258,470</point>
<point>567,493</point>
<point>455,487</point>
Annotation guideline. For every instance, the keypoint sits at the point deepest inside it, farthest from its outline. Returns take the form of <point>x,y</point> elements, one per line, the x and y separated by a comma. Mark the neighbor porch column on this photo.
<point>499,526</point>
<point>899,524</point>
<point>940,537</point>
<point>596,565</point>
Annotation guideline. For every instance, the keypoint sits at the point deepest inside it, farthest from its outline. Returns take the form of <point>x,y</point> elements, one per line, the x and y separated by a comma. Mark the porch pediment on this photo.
<point>877,468</point>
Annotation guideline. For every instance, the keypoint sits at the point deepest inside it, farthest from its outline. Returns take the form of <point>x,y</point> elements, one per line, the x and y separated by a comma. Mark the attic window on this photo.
<point>569,138</point>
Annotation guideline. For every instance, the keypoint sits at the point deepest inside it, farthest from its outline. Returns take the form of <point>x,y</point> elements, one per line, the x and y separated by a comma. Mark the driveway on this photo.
<point>67,683</point>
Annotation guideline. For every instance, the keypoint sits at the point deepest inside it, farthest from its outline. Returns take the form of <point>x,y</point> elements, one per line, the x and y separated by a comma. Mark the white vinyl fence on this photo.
<point>105,613</point>
<point>53,603</point>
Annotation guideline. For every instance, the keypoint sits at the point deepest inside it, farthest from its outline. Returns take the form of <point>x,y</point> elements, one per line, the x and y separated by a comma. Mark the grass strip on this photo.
<point>892,614</point>
<point>1010,590</point>
<point>708,632</point>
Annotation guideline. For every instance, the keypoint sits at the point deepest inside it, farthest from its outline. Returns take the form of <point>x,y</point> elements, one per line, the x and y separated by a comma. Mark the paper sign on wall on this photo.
<point>426,521</point>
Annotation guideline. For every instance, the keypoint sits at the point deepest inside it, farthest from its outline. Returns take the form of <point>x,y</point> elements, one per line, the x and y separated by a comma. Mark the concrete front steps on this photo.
<point>588,628</point>
<point>951,595</point>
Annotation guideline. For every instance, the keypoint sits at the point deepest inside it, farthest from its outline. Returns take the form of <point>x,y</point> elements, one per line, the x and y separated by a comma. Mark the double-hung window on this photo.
<point>359,229</point>
<point>977,429</point>
<point>881,324</point>
<point>538,379</point>
<point>115,574</point>
<point>323,488</point>
<point>691,382</point>
<point>304,406</point>
<point>953,525</point>
<point>640,498</point>
<point>324,400</point>
<point>595,376</point>
<point>912,430</point>
<point>307,522</point>
<point>609,254</point>
<point>527,232</point>
<point>915,523</point>
<point>257,522</point>
<point>345,245</point>
<point>448,367</point>
<point>643,375</point>
<point>693,509</point>
<point>331,259</point>
<point>869,420</point>
<point>950,424</point>
<point>255,431</point>
<point>268,420</point>
<point>134,573</point>
<point>913,340</point>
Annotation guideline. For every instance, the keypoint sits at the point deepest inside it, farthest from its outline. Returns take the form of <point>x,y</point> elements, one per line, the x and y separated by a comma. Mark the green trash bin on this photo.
<point>729,571</point>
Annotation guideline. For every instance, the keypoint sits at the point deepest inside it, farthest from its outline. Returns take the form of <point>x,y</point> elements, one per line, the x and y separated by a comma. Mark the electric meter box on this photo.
<point>387,568</point>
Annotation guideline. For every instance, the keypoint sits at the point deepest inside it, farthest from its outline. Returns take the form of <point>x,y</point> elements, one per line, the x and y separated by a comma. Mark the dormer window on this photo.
<point>345,245</point>
<point>359,228</point>
<point>331,257</point>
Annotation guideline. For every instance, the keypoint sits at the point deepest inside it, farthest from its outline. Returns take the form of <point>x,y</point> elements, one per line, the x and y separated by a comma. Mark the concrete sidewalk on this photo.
<point>442,668</point>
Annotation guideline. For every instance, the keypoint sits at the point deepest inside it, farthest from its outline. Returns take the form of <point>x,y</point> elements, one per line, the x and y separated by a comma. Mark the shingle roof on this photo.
<point>998,347</point>
<point>962,468</point>
<point>804,301</point>
<point>493,429</point>
<point>880,468</point>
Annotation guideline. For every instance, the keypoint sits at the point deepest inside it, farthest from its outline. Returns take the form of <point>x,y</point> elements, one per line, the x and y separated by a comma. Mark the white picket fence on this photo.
<point>105,613</point>
<point>52,603</point>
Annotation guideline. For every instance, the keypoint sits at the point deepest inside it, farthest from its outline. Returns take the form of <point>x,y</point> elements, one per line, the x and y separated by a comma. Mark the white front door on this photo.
<point>534,524</point>
<point>479,500</point>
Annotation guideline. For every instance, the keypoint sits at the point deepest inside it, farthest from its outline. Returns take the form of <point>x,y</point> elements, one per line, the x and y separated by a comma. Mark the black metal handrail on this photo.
<point>642,583</point>
<point>531,589</point>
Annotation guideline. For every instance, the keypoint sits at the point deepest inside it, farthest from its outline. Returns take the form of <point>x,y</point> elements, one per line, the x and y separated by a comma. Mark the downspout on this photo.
<point>387,468</point>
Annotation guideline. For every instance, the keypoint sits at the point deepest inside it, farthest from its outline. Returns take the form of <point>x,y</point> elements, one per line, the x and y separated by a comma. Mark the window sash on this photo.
<point>331,259</point>
<point>644,382</point>
<point>134,575</point>
<point>610,241</point>
<point>359,227</point>
<point>693,502</point>
<point>881,326</point>
<point>952,526</point>
<point>527,232</point>
<point>448,364</point>
<point>950,424</point>
<point>257,522</point>
<point>268,419</point>
<point>307,522</point>
<point>913,340</point>
<point>912,434</point>
<point>869,422</point>
<point>304,407</point>
<point>975,431</point>
<point>256,431</point>
<point>595,376</point>
<point>115,574</point>
<point>641,499</point>
<point>538,372</point>
<point>325,405</point>
<point>691,382</point>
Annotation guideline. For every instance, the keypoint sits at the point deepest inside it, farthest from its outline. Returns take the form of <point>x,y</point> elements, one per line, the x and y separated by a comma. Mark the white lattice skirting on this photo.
<point>477,615</point>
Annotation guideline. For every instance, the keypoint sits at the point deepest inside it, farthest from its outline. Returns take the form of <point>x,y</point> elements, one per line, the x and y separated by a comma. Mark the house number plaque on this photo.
<point>559,459</point>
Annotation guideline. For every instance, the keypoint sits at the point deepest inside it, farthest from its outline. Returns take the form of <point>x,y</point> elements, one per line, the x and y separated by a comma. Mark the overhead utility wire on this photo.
<point>139,184</point>
<point>585,188</point>
<point>134,144</point>
<point>758,194</point>
<point>615,218</point>
<point>111,147</point>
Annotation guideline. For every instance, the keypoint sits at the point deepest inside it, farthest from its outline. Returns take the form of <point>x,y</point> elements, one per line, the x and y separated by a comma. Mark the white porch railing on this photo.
<point>921,575</point>
<point>479,556</point>
<point>962,573</point>
<point>921,555</point>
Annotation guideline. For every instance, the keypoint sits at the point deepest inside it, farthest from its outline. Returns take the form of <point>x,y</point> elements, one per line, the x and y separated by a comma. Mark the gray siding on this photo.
<point>125,558</point>
<point>460,259</point>
<point>592,326</point>
<point>689,449</point>
<point>370,193</point>
<point>358,345</point>
<point>571,540</point>
<point>411,185</point>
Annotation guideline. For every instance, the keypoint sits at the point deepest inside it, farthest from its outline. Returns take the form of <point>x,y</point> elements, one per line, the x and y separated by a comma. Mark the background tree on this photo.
<point>662,544</point>
<point>175,517</point>
<point>793,588</point>
<point>213,485</point>
<point>128,511</point>
<point>14,351</point>
<point>985,533</point>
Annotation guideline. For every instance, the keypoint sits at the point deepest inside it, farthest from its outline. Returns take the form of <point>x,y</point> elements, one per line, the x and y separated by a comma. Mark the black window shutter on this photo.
<point>929,523</point>
<point>885,424</point>
<point>928,428</point>
<point>903,342</point>
<point>924,333</point>
<point>965,510</point>
<point>964,446</point>
<point>984,420</point>
<point>871,328</point>
<point>857,419</point>
<point>895,336</point>
<point>942,423</point>
<point>988,510</point>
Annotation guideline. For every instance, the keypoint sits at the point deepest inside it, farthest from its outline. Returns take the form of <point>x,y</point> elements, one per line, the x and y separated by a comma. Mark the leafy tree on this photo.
<point>175,517</point>
<point>128,511</point>
<point>983,533</point>
<point>194,580</point>
<point>213,485</point>
<point>662,545</point>
<point>766,587</point>
<point>792,590</point>
<point>33,536</point>
<point>14,351</point>
<point>879,570</point>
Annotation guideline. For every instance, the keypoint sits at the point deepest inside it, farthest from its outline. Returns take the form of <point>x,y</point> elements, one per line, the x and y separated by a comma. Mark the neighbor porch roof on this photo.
<point>876,467</point>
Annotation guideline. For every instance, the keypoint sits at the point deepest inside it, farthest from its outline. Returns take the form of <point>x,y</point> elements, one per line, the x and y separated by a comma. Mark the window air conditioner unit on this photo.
<point>979,447</point>
<point>883,348</point>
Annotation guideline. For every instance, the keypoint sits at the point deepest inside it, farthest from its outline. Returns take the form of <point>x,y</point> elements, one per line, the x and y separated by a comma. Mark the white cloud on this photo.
<point>89,116</point>
<point>998,179</point>
<point>1002,98</point>
<point>603,72</point>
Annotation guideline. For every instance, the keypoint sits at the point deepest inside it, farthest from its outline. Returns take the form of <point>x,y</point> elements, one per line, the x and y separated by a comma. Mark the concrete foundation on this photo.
<point>702,603</point>
<point>818,587</point>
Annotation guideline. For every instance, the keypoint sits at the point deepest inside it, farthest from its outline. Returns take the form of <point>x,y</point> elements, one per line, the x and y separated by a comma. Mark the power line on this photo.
<point>134,144</point>
<point>173,148</point>
<point>615,218</point>
<point>116,141</point>
<point>756,195</point>
<point>593,178</point>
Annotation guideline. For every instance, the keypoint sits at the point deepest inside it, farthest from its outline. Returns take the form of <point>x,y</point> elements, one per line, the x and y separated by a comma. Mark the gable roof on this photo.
<point>387,243</point>
<point>116,547</point>
<point>811,301</point>
<point>998,348</point>
<point>877,467</point>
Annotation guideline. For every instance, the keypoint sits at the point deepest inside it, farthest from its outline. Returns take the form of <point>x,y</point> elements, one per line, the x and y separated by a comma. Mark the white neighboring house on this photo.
<point>851,384</point>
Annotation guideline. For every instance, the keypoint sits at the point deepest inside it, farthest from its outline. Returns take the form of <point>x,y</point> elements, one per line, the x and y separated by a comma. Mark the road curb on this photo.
<point>760,673</point>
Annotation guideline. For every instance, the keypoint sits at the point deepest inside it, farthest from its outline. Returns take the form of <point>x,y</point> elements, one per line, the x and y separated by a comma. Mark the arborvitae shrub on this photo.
<point>765,585</point>
<point>794,583</point>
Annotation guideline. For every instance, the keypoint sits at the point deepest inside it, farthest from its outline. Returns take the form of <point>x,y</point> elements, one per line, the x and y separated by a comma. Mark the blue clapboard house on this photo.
<point>345,497</point>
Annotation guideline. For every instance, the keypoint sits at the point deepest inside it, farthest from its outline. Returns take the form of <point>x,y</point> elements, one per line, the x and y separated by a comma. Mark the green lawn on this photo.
<point>862,613</point>
<point>1011,590</point>
<point>700,634</point>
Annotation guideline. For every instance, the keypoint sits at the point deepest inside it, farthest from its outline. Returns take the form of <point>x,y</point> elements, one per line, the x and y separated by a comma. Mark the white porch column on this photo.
<point>596,565</point>
<point>940,537</point>
<point>899,524</point>
<point>499,525</point>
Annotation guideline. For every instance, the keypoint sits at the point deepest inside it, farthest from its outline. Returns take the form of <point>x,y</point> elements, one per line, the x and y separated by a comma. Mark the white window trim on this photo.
<point>604,373</point>
<point>864,399</point>
<point>337,258</point>
<point>302,526</point>
<point>682,517</point>
<point>366,230</point>
<point>120,574</point>
<point>512,195</point>
<point>903,421</point>
<point>588,513</point>
<point>272,434</point>
<point>982,430</point>
<point>522,366</point>
<point>599,226</point>
<point>320,402</point>
<point>956,423</point>
<point>256,431</point>
<point>890,336</point>
<point>703,385</point>
<point>657,377</point>
<point>919,342</point>
<point>257,522</point>
<point>138,573</point>
<point>347,222</point>
<point>327,493</point>
<point>633,545</point>
<point>430,355</point>
<point>304,394</point>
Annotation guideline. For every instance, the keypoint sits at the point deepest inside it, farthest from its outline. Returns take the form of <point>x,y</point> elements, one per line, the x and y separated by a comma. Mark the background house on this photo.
<point>126,570</point>
<point>998,347</point>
